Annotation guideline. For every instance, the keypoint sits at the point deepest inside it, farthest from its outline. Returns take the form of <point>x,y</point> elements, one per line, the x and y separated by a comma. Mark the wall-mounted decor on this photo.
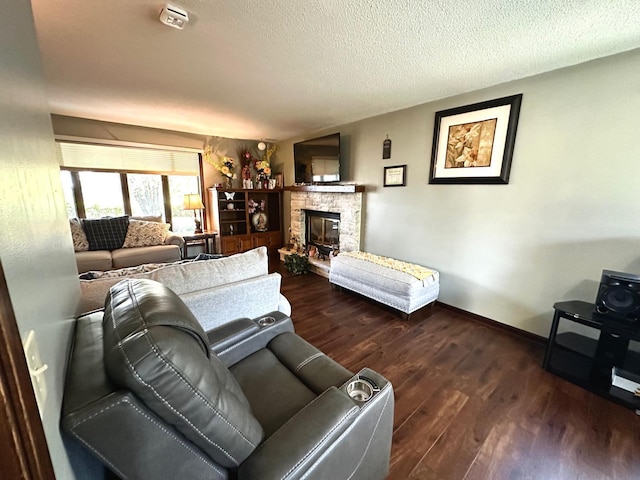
<point>395,176</point>
<point>386,148</point>
<point>474,143</point>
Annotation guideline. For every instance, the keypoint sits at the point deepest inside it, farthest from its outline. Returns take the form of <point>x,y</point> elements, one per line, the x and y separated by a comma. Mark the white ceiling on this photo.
<point>275,69</point>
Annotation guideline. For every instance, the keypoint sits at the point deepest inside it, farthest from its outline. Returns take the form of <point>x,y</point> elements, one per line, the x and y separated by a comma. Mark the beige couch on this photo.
<point>216,291</point>
<point>170,251</point>
<point>142,242</point>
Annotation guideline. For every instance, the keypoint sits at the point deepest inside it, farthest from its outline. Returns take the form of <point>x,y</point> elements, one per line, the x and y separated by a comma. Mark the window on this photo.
<point>67,189</point>
<point>102,194</point>
<point>145,194</point>
<point>101,180</point>
<point>179,186</point>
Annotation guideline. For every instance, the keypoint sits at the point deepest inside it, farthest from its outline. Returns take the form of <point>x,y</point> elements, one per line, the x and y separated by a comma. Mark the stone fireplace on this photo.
<point>347,206</point>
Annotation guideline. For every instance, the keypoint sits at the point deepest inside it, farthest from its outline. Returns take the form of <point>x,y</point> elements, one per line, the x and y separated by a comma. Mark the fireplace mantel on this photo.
<point>349,188</point>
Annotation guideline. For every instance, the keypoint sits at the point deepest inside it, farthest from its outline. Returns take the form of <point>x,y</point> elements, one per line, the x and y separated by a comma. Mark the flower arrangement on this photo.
<point>223,164</point>
<point>271,149</point>
<point>255,206</point>
<point>263,167</point>
<point>245,155</point>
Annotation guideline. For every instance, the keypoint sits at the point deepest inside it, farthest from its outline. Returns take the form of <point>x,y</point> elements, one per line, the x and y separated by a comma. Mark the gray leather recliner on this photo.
<point>153,396</point>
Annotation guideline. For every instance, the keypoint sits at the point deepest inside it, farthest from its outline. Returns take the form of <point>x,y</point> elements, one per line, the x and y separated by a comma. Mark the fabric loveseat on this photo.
<point>152,395</point>
<point>117,242</point>
<point>216,291</point>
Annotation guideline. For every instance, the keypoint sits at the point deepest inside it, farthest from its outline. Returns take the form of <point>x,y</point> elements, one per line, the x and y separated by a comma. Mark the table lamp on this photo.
<point>192,201</point>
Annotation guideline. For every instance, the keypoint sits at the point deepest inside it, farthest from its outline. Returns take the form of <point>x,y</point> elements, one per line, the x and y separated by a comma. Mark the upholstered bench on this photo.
<point>404,286</point>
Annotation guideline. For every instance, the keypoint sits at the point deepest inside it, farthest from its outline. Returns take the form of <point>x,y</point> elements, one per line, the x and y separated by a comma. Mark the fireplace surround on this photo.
<point>347,205</point>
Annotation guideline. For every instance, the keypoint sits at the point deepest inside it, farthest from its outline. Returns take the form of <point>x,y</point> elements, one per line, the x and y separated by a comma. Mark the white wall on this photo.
<point>35,242</point>
<point>508,252</point>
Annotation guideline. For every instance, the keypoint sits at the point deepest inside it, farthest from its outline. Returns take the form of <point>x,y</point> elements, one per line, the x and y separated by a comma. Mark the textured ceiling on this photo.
<point>275,69</point>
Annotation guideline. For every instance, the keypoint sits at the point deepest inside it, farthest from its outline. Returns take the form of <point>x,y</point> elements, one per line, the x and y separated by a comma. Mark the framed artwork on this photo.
<point>395,176</point>
<point>279,177</point>
<point>474,143</point>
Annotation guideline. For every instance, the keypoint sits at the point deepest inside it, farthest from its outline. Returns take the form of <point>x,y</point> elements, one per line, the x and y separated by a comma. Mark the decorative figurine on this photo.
<point>247,183</point>
<point>295,243</point>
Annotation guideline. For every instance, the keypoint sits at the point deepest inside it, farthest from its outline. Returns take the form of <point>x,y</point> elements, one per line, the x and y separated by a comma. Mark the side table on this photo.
<point>589,360</point>
<point>206,239</point>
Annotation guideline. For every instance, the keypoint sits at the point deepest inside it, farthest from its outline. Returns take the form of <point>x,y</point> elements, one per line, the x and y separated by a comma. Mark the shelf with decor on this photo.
<point>246,219</point>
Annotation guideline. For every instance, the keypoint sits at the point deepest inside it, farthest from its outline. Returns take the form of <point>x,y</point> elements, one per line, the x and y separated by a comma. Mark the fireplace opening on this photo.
<point>322,230</point>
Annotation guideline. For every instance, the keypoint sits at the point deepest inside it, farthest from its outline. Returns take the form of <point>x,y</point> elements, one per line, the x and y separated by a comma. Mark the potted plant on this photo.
<point>296,264</point>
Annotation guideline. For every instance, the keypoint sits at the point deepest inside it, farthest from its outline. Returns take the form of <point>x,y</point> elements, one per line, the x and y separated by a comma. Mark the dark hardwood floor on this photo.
<point>472,401</point>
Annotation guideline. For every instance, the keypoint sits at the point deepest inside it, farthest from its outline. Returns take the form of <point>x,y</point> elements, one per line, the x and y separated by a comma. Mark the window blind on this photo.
<point>126,159</point>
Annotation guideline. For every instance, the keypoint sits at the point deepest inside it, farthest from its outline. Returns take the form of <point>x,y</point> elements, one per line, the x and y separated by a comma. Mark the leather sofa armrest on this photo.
<point>173,238</point>
<point>301,441</point>
<point>228,334</point>
<point>238,339</point>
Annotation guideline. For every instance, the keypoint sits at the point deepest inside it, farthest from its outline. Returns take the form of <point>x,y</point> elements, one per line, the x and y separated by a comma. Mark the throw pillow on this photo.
<point>145,234</point>
<point>106,233</point>
<point>80,242</point>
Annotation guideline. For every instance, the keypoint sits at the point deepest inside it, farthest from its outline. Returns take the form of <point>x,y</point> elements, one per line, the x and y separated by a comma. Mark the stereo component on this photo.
<point>618,298</point>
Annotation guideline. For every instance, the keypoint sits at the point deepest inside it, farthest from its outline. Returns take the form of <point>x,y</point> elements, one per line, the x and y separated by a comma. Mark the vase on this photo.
<point>228,182</point>
<point>265,183</point>
<point>260,221</point>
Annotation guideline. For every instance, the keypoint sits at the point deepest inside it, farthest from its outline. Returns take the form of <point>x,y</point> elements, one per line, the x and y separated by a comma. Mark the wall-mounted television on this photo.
<point>317,160</point>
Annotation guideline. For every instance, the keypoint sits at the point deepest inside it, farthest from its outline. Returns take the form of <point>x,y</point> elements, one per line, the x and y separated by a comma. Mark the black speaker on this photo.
<point>610,352</point>
<point>618,299</point>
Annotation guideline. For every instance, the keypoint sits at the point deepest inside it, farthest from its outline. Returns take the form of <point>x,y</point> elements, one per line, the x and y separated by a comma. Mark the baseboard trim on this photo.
<point>495,324</point>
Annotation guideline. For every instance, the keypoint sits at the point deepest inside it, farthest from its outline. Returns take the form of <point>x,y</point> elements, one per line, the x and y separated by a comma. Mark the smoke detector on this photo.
<point>174,17</point>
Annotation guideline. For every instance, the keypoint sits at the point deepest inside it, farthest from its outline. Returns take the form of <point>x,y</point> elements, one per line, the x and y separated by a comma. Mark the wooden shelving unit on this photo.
<point>238,229</point>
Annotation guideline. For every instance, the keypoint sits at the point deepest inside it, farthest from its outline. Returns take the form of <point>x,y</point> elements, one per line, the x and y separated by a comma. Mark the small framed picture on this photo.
<point>279,180</point>
<point>395,176</point>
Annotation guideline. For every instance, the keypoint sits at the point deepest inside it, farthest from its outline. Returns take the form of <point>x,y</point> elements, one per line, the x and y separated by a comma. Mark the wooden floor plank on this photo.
<point>504,454</point>
<point>416,436</point>
<point>472,400</point>
<point>459,445</point>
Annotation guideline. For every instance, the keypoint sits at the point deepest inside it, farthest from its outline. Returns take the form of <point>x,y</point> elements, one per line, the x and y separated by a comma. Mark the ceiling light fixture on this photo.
<point>174,17</point>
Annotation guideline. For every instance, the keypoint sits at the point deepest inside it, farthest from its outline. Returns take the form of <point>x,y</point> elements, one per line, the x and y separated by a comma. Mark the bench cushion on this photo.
<point>392,287</point>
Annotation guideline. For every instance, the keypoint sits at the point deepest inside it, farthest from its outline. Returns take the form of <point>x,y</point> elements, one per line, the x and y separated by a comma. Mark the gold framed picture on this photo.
<point>474,143</point>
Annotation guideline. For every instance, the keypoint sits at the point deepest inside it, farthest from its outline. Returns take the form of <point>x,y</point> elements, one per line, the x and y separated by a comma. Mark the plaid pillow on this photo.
<point>106,233</point>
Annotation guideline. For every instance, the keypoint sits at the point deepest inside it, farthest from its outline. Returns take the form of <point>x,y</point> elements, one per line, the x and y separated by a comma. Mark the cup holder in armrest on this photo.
<point>361,389</point>
<point>266,321</point>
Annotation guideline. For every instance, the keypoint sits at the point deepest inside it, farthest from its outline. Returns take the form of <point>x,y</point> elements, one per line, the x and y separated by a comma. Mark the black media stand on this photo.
<point>588,362</point>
